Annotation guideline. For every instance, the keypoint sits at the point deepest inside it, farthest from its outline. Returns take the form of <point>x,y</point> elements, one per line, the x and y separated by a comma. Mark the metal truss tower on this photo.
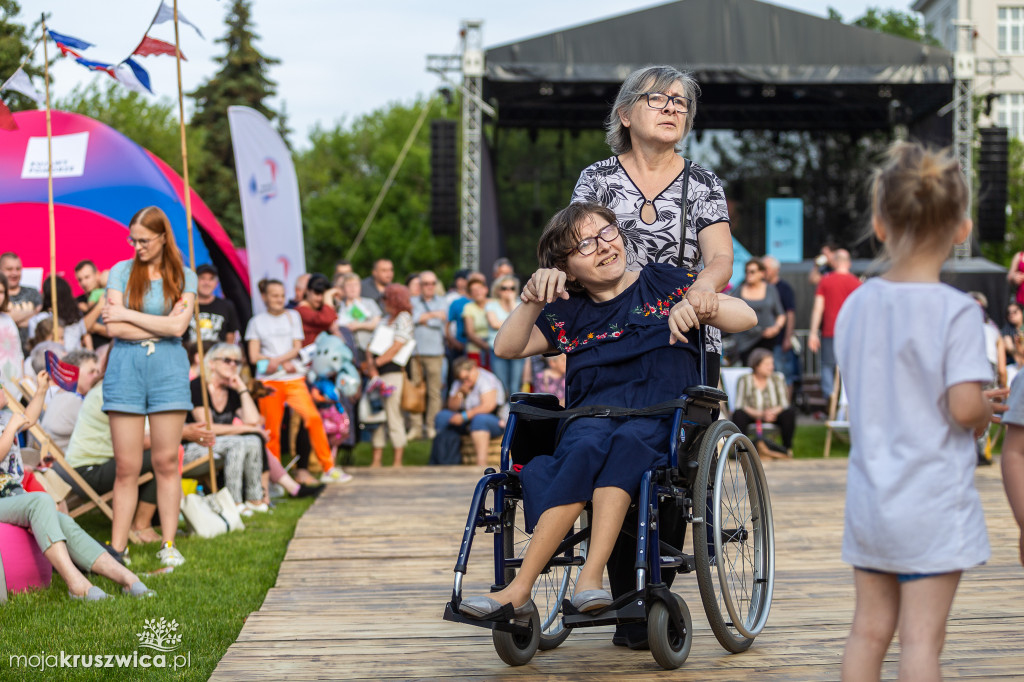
<point>471,65</point>
<point>963,110</point>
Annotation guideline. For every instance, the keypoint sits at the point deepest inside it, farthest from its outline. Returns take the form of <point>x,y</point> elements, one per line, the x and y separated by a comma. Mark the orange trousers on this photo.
<point>295,395</point>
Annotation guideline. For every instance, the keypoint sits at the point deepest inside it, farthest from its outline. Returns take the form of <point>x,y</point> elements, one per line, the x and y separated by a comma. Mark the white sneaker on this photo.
<point>243,509</point>
<point>170,556</point>
<point>256,507</point>
<point>336,475</point>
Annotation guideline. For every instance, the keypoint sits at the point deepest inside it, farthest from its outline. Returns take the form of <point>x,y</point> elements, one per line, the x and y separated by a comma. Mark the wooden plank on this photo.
<point>360,593</point>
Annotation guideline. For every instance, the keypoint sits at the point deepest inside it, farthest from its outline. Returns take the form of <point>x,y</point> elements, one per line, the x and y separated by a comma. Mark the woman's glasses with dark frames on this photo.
<point>659,100</point>
<point>588,246</point>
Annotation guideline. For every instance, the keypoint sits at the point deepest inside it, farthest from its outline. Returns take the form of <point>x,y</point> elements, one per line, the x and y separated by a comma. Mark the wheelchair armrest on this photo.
<point>706,393</point>
<point>545,400</point>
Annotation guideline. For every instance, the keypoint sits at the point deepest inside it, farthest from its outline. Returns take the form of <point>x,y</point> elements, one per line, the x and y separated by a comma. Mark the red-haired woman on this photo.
<point>148,307</point>
<point>397,317</point>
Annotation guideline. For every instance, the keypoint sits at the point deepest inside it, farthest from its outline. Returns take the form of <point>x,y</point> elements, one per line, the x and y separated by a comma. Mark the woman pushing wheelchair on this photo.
<point>624,334</point>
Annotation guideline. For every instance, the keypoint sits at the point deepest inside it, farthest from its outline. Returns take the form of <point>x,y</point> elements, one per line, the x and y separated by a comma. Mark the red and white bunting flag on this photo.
<point>150,46</point>
<point>6,118</point>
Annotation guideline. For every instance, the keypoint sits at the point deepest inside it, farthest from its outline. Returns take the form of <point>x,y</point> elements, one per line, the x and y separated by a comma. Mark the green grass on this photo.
<point>223,580</point>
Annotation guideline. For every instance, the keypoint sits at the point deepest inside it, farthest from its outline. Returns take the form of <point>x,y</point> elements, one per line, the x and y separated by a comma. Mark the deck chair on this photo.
<point>838,412</point>
<point>729,379</point>
<point>50,451</point>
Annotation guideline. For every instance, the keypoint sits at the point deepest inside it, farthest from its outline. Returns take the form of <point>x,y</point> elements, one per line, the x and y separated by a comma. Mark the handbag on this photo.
<point>414,396</point>
<point>224,505</point>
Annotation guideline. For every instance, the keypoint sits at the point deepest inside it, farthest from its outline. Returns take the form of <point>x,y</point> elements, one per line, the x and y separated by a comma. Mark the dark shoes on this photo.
<point>632,635</point>
<point>309,490</point>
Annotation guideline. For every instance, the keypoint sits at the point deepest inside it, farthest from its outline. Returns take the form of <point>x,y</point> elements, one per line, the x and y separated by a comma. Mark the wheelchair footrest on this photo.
<point>631,606</point>
<point>454,616</point>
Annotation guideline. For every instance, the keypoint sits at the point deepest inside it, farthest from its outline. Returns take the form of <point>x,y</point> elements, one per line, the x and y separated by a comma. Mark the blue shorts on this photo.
<point>145,377</point>
<point>901,577</point>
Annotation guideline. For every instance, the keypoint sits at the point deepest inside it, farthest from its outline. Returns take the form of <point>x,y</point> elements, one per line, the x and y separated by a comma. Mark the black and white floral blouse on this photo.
<point>607,183</point>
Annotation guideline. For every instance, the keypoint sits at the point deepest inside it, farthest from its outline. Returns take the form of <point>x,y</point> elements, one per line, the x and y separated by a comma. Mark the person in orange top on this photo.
<point>828,299</point>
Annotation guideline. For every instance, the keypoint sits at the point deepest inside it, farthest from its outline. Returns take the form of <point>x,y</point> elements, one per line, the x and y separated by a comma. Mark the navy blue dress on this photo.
<point>617,353</point>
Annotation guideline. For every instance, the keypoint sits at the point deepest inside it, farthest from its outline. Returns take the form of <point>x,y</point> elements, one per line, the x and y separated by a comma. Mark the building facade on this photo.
<point>998,36</point>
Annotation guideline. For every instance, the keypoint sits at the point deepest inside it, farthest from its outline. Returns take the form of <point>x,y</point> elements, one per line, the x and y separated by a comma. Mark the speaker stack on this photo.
<point>444,205</point>
<point>992,168</point>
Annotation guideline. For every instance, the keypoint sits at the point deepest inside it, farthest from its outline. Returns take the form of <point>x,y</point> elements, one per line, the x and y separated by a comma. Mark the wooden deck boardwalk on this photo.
<point>362,588</point>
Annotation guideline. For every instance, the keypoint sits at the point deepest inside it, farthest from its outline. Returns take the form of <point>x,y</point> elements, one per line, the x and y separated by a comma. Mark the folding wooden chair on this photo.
<point>50,451</point>
<point>838,412</point>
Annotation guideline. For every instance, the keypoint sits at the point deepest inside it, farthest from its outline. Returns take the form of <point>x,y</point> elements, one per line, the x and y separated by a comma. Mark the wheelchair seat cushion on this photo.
<point>594,453</point>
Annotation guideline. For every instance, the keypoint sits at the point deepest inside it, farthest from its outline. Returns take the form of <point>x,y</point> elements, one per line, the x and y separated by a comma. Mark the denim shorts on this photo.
<point>145,377</point>
<point>901,577</point>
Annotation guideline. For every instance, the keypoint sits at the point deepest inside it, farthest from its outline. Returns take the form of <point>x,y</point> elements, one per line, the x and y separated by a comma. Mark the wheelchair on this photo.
<point>713,481</point>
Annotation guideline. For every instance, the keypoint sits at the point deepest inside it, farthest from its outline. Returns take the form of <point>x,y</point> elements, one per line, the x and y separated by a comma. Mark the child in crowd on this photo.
<point>913,357</point>
<point>1013,457</point>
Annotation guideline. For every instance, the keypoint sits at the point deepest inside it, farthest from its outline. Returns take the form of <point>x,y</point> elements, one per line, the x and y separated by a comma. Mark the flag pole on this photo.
<point>191,247</point>
<point>49,188</point>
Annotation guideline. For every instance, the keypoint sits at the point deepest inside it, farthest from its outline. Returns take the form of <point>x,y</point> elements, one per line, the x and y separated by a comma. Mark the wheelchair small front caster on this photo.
<point>518,649</point>
<point>668,646</point>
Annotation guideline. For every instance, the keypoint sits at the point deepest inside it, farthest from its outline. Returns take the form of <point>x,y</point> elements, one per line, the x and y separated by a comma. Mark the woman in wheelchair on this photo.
<point>624,336</point>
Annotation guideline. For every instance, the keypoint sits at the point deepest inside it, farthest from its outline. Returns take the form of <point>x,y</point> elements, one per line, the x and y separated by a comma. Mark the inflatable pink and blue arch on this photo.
<point>92,208</point>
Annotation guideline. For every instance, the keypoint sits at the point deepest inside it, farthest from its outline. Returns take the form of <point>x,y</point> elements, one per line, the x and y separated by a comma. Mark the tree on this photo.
<point>891,21</point>
<point>152,124</point>
<point>339,178</point>
<point>15,43</point>
<point>535,173</point>
<point>241,80</point>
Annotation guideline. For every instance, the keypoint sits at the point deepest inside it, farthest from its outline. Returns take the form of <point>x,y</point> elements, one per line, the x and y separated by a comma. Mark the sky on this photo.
<point>340,59</point>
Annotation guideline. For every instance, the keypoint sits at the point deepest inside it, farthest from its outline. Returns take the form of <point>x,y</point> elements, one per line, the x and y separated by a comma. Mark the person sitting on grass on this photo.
<point>624,334</point>
<point>62,541</point>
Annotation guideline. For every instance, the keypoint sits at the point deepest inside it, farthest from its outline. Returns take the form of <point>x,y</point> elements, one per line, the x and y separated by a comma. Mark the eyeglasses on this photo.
<point>512,288</point>
<point>230,361</point>
<point>659,100</point>
<point>428,284</point>
<point>140,243</point>
<point>608,233</point>
<point>753,271</point>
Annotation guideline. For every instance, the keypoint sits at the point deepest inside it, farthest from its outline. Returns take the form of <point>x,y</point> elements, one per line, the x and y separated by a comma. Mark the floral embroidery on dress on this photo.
<point>663,306</point>
<point>567,345</point>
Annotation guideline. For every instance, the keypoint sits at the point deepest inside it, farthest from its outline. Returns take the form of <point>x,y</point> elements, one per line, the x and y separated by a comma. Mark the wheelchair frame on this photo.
<point>695,419</point>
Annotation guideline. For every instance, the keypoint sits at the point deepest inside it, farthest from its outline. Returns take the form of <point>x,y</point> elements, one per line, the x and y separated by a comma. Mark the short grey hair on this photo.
<point>647,79</point>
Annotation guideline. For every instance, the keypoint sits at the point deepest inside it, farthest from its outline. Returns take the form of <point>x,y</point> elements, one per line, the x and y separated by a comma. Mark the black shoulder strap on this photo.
<point>684,216</point>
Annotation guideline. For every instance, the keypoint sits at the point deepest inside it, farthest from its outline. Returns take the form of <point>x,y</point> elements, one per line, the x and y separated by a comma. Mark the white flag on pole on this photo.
<point>166,13</point>
<point>269,193</point>
<point>20,82</point>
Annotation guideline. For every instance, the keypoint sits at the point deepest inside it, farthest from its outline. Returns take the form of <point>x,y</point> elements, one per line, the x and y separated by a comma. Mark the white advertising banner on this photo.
<point>269,192</point>
<point>68,156</point>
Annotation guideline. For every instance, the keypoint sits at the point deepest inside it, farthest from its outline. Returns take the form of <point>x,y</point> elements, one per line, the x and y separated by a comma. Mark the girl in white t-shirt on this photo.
<point>912,354</point>
<point>274,339</point>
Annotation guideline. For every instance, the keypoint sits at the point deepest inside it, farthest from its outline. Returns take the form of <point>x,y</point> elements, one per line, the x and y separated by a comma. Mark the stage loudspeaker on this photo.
<point>444,205</point>
<point>992,169</point>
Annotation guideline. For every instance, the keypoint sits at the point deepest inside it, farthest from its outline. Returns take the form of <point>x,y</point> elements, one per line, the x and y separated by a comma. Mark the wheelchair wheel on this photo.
<point>668,646</point>
<point>734,538</point>
<point>518,649</point>
<point>553,585</point>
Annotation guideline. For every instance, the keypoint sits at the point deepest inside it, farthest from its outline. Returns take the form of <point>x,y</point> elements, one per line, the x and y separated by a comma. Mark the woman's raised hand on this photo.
<point>544,286</point>
<point>681,319</point>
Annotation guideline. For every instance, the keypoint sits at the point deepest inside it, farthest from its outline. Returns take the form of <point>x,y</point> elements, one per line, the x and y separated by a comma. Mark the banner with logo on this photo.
<point>269,191</point>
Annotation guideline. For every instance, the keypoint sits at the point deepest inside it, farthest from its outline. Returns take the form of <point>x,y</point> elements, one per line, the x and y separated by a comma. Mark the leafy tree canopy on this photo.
<point>340,176</point>
<point>15,43</point>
